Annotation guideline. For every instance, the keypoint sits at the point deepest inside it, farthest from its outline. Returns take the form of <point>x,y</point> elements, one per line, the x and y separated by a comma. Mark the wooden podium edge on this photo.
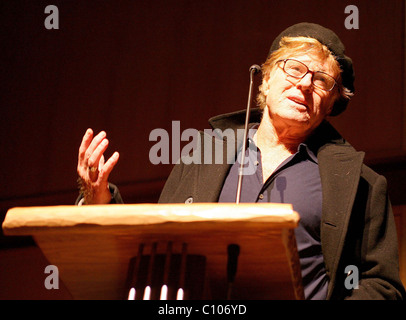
<point>32,220</point>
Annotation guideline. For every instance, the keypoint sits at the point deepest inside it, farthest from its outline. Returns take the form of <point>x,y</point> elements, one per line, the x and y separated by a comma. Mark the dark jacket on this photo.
<point>357,225</point>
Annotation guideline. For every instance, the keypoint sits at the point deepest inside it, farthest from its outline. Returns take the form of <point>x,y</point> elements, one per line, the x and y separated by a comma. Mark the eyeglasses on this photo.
<point>298,70</point>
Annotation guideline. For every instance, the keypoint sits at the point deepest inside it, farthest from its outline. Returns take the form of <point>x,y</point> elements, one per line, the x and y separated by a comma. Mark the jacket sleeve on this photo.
<point>170,192</point>
<point>377,248</point>
<point>115,196</point>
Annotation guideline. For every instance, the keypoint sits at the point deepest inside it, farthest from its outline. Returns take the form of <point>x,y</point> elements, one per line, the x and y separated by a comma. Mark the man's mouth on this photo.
<point>299,100</point>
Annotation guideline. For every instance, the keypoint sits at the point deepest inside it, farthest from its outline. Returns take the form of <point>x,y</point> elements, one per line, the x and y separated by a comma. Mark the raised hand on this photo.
<point>92,170</point>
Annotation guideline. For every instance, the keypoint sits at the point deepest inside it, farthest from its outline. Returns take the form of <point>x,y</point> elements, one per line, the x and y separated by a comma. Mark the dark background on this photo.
<point>128,67</point>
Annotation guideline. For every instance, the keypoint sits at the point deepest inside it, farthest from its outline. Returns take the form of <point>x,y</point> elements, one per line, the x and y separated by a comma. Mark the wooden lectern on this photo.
<point>100,250</point>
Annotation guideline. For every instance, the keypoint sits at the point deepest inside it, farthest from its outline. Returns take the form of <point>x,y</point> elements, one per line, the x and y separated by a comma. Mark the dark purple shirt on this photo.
<point>295,181</point>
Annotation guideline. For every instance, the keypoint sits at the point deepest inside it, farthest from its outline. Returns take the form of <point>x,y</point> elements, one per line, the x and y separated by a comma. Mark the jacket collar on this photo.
<point>235,120</point>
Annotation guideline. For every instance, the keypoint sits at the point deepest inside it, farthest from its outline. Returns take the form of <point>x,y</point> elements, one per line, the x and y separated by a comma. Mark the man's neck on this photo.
<point>270,137</point>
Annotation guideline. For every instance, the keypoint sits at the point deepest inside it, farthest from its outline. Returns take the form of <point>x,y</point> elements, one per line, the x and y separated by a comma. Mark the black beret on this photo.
<point>333,43</point>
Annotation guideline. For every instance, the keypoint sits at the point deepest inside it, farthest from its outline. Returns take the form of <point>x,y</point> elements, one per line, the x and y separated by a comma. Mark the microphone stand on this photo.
<point>254,69</point>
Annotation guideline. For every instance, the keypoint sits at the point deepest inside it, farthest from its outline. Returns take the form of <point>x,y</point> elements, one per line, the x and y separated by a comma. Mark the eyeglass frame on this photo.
<point>308,71</point>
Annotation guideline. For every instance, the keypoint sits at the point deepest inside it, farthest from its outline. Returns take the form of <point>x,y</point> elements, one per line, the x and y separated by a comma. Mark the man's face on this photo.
<point>296,102</point>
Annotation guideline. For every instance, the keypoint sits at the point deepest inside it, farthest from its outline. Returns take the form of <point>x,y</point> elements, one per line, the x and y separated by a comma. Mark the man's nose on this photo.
<point>306,82</point>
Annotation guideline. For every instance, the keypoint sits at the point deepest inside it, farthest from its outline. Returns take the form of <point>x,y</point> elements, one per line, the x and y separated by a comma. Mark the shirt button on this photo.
<point>261,196</point>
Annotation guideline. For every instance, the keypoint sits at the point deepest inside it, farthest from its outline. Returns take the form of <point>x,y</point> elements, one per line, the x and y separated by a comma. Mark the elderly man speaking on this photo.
<point>345,214</point>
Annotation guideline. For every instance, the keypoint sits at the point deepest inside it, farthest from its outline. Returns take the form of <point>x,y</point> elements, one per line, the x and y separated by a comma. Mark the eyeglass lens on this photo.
<point>298,70</point>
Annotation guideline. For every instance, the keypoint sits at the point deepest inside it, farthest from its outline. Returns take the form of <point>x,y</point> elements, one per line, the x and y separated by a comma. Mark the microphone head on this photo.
<point>255,68</point>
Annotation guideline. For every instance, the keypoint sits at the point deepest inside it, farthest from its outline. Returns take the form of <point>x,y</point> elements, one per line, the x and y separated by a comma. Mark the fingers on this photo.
<point>90,152</point>
<point>95,156</point>
<point>93,162</point>
<point>101,162</point>
<point>87,139</point>
<point>94,145</point>
<point>91,149</point>
<point>108,167</point>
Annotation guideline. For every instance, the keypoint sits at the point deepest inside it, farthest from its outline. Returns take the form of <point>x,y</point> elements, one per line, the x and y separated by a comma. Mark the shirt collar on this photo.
<point>252,129</point>
<point>303,148</point>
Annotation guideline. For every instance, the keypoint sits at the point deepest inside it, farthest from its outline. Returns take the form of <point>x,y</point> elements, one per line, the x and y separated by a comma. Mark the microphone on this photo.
<point>254,69</point>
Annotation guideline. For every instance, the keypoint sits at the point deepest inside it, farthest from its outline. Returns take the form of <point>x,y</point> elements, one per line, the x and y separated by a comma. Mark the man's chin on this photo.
<point>298,116</point>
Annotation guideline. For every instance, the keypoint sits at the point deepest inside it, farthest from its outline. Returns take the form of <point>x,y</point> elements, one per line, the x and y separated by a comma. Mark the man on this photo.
<point>345,215</point>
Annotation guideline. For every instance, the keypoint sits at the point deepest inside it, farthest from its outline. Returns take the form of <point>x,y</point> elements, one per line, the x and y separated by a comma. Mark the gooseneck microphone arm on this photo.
<point>254,69</point>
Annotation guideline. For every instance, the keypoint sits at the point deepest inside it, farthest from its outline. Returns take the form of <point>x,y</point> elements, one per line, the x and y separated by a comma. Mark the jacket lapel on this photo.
<point>227,137</point>
<point>340,169</point>
<point>216,161</point>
